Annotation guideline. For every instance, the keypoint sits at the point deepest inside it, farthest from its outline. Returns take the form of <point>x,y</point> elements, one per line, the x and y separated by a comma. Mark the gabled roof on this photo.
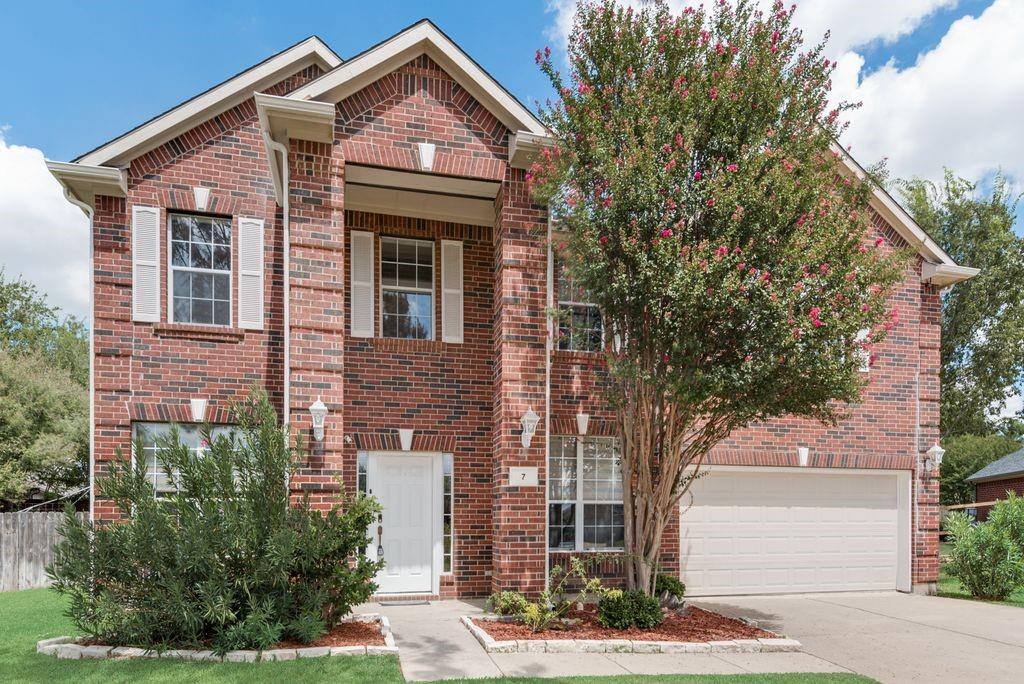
<point>1010,465</point>
<point>423,37</point>
<point>211,102</point>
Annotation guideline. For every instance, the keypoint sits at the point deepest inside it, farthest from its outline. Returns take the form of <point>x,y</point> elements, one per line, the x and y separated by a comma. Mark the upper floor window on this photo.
<point>200,269</point>
<point>151,436</point>
<point>585,494</point>
<point>580,327</point>
<point>407,288</point>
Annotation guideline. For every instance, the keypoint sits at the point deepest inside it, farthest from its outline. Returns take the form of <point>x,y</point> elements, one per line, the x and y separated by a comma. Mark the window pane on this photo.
<point>222,313</point>
<point>424,277</point>
<point>202,286</point>
<point>180,254</point>
<point>406,275</point>
<point>182,286</point>
<point>222,232</point>
<point>388,273</point>
<point>180,228</point>
<point>602,526</point>
<point>407,252</point>
<point>222,258</point>
<point>182,309</point>
<point>562,526</point>
<point>200,255</point>
<point>222,287</point>
<point>202,311</point>
<point>201,231</point>
<point>389,326</point>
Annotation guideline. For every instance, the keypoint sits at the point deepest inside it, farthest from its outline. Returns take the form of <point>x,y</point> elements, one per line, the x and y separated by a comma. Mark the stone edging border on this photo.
<point>491,645</point>
<point>72,648</point>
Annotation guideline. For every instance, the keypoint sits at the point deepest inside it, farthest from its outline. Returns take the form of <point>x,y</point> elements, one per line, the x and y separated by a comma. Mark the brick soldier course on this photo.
<point>463,398</point>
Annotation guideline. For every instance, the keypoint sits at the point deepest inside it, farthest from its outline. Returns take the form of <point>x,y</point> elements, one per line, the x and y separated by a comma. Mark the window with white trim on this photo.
<point>200,265</point>
<point>585,494</point>
<point>863,353</point>
<point>580,327</point>
<point>407,288</point>
<point>151,435</point>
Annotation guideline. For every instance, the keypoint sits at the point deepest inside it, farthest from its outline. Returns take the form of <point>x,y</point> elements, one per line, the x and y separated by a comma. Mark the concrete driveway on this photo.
<point>896,637</point>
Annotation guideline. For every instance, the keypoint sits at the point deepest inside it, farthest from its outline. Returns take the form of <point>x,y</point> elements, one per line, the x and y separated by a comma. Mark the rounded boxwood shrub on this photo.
<point>225,562</point>
<point>669,583</point>
<point>624,609</point>
<point>507,603</point>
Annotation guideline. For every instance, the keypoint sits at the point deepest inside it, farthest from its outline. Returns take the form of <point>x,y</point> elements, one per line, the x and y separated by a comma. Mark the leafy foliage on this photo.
<point>626,609</point>
<point>982,318</point>
<point>671,584</point>
<point>225,562</point>
<point>507,603</point>
<point>710,218</point>
<point>1008,515</point>
<point>44,428</point>
<point>554,602</point>
<point>986,559</point>
<point>966,455</point>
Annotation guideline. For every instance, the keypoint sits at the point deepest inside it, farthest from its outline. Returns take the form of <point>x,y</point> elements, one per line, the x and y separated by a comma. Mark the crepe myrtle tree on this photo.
<point>708,215</point>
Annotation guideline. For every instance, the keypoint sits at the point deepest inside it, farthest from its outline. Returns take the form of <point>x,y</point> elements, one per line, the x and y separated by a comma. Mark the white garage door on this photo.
<point>763,530</point>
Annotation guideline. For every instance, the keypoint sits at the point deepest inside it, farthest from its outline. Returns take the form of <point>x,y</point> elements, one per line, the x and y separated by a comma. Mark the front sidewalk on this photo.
<point>434,644</point>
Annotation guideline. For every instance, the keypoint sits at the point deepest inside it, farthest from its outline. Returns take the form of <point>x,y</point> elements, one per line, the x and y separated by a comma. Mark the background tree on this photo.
<point>966,455</point>
<point>982,318</point>
<point>732,257</point>
<point>44,407</point>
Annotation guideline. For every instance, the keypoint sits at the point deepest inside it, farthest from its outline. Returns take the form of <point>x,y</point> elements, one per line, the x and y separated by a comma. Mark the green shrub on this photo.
<point>670,583</point>
<point>507,603</point>
<point>1008,515</point>
<point>224,563</point>
<point>986,560</point>
<point>554,602</point>
<point>625,609</point>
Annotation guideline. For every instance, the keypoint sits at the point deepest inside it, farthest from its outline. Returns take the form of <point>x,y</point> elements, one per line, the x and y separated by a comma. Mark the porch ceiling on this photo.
<point>420,195</point>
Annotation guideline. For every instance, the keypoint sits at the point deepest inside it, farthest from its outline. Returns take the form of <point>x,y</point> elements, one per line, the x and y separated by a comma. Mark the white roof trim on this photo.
<point>84,183</point>
<point>282,118</point>
<point>944,275</point>
<point>211,103</point>
<point>421,38</point>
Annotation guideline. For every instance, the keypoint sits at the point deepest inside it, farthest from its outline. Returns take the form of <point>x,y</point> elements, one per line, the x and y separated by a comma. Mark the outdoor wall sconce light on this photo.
<point>803,456</point>
<point>529,422</point>
<point>198,410</point>
<point>318,411</point>
<point>582,421</point>
<point>426,156</point>
<point>933,457</point>
<point>405,438</point>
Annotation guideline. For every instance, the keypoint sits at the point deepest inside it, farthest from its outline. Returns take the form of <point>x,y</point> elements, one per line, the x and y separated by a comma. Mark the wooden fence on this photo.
<point>26,548</point>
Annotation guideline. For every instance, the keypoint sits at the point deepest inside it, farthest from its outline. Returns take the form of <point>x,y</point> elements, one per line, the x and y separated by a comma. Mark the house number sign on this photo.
<point>522,477</point>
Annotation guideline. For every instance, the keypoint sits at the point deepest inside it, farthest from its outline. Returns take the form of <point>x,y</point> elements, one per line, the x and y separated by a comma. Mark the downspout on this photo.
<point>281,149</point>
<point>90,213</point>
<point>548,350</point>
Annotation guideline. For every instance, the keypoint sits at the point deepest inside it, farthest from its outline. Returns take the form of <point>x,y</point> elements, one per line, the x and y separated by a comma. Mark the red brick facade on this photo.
<point>994,490</point>
<point>465,399</point>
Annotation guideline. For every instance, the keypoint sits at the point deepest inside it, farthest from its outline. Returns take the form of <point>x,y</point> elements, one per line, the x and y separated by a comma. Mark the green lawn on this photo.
<point>950,587</point>
<point>28,616</point>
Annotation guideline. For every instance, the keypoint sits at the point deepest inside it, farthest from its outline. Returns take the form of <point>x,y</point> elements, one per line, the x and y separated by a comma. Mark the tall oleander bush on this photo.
<point>988,557</point>
<point>226,562</point>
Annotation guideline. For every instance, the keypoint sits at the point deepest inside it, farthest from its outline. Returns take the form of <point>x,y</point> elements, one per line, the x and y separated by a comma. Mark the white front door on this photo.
<point>408,487</point>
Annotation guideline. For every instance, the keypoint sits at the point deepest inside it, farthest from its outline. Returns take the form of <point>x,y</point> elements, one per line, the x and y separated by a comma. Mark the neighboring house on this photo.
<point>992,482</point>
<point>360,232</point>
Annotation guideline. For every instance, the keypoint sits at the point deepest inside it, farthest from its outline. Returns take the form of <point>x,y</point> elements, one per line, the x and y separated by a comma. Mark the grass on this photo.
<point>950,587</point>
<point>28,616</point>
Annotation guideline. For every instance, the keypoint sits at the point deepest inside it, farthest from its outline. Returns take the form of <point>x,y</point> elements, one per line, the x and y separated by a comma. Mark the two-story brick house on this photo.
<point>359,233</point>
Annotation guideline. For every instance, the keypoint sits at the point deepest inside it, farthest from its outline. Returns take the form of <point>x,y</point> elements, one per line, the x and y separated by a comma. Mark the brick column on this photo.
<point>317,244</point>
<point>925,542</point>
<point>520,271</point>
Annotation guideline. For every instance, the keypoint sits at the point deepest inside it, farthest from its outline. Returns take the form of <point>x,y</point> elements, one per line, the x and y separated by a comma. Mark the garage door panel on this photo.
<point>762,532</point>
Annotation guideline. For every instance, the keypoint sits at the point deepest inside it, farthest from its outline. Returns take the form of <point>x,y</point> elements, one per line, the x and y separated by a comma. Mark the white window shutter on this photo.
<point>250,273</point>
<point>451,291</point>
<point>362,322</point>
<point>146,264</point>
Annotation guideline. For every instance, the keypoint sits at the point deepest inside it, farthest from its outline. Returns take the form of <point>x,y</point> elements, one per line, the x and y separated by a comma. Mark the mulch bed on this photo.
<point>352,633</point>
<point>693,624</point>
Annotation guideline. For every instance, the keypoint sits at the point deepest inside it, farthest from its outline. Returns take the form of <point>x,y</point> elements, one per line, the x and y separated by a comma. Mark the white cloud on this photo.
<point>958,105</point>
<point>42,237</point>
<point>1014,406</point>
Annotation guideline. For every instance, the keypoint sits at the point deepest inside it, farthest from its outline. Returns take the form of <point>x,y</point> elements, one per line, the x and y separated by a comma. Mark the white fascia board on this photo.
<point>944,275</point>
<point>524,146</point>
<point>86,182</point>
<point>211,103</point>
<point>284,118</point>
<point>422,38</point>
<point>897,216</point>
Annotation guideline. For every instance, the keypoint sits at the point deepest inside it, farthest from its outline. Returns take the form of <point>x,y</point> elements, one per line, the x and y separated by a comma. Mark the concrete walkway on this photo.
<point>896,637</point>
<point>433,644</point>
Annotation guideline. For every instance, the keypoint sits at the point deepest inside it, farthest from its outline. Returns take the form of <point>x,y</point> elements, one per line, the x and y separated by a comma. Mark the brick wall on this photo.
<point>995,490</point>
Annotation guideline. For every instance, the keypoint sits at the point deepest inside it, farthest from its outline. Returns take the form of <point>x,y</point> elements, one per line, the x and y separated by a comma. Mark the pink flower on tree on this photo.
<point>732,167</point>
<point>697,175</point>
<point>666,233</point>
<point>603,239</point>
<point>815,315</point>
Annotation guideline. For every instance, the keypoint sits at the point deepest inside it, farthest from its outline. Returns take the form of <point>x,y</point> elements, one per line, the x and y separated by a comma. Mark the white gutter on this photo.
<point>279,148</point>
<point>89,212</point>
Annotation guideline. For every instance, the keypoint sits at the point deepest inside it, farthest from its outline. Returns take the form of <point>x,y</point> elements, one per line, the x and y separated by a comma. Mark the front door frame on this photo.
<point>436,506</point>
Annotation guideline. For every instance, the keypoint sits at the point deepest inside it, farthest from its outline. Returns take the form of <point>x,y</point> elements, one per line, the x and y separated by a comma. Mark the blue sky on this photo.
<point>110,66</point>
